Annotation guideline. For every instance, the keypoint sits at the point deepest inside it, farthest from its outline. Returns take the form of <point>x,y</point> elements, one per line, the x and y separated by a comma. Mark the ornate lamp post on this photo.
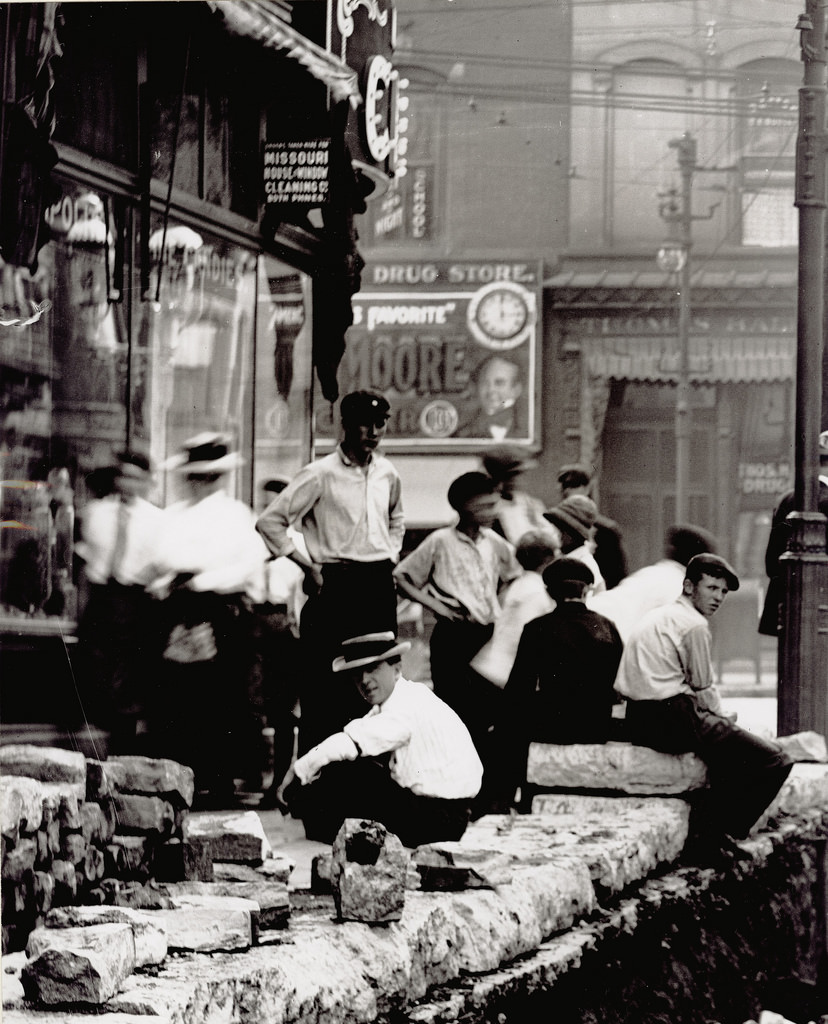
<point>803,640</point>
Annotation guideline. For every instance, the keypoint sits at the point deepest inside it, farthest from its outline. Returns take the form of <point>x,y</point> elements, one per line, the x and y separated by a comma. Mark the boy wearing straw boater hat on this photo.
<point>409,763</point>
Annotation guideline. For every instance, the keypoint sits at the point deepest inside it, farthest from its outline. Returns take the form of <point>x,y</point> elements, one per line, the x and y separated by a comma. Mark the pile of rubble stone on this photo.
<point>105,872</point>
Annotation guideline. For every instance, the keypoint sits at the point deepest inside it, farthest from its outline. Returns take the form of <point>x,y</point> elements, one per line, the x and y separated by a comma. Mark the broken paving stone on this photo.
<point>237,837</point>
<point>368,872</point>
<point>209,924</point>
<point>450,867</point>
<point>148,932</point>
<point>78,965</point>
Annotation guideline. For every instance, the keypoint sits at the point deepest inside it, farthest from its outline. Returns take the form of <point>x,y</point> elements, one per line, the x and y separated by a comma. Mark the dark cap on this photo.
<point>566,570</point>
<point>575,514</point>
<point>507,460</point>
<point>362,407</point>
<point>576,474</point>
<point>709,564</point>
<point>468,486</point>
<point>684,540</point>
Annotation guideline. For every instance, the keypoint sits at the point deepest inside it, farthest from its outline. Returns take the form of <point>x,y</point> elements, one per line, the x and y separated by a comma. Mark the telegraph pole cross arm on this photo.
<point>803,637</point>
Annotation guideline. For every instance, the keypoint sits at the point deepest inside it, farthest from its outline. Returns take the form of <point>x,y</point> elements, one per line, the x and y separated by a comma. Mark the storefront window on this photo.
<point>90,365</point>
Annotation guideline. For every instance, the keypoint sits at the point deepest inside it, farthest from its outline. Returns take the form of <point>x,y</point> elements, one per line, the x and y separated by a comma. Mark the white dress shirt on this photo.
<point>215,539</point>
<point>99,532</point>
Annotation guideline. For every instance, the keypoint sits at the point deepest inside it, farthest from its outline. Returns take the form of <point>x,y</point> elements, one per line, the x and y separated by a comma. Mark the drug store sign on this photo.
<point>452,345</point>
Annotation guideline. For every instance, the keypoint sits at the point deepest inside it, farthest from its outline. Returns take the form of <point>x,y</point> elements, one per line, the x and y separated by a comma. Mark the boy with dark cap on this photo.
<point>348,506</point>
<point>560,689</point>
<point>409,763</point>
<point>610,555</point>
<point>673,705</point>
<point>457,572</point>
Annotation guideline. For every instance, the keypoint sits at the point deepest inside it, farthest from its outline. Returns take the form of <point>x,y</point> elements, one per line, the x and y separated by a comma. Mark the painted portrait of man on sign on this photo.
<point>497,410</point>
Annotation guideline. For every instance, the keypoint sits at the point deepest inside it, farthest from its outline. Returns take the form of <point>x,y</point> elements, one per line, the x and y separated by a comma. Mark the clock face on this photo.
<point>502,313</point>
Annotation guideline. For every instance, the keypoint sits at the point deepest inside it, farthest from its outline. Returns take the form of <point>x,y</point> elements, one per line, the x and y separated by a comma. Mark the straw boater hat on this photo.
<point>367,650</point>
<point>208,452</point>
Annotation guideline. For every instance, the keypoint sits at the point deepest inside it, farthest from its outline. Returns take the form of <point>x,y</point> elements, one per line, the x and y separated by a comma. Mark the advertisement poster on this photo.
<point>452,345</point>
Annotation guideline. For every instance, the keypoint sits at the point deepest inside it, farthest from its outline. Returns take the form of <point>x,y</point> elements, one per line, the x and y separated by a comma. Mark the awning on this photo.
<point>629,287</point>
<point>263,21</point>
<point>712,360</point>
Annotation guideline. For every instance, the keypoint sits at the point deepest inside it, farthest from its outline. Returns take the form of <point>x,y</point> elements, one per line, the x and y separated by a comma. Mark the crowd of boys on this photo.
<point>539,635</point>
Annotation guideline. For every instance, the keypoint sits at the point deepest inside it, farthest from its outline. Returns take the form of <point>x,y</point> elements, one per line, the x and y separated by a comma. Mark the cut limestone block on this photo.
<point>21,806</point>
<point>153,776</point>
<point>46,764</point>
<point>235,836</point>
<point>271,897</point>
<point>208,924</point>
<point>78,965</point>
<point>622,767</point>
<point>277,868</point>
<point>148,932</point>
<point>135,812</point>
<point>368,871</point>
<point>182,860</point>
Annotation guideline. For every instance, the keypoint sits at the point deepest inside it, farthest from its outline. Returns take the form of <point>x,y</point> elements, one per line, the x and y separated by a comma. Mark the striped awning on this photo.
<point>712,360</point>
<point>264,21</point>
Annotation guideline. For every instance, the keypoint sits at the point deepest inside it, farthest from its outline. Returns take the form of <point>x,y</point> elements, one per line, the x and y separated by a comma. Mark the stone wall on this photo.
<point>579,911</point>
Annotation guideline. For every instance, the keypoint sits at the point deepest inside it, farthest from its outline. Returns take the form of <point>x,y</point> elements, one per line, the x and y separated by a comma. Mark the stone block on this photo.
<point>104,779</point>
<point>208,924</point>
<point>277,868</point>
<point>66,883</point>
<point>133,860</point>
<point>19,861</point>
<point>368,872</point>
<point>271,897</point>
<point>78,965</point>
<point>95,826</point>
<point>148,932</point>
<point>73,847</point>
<point>450,867</point>
<point>179,860</point>
<point>144,814</point>
<point>21,806</point>
<point>237,837</point>
<point>156,777</point>
<point>621,767</point>
<point>46,764</point>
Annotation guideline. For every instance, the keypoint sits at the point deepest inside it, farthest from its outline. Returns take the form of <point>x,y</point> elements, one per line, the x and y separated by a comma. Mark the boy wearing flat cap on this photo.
<point>409,763</point>
<point>673,705</point>
<point>560,689</point>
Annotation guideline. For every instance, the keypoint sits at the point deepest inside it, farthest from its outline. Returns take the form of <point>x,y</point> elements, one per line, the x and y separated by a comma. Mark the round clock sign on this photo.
<point>501,315</point>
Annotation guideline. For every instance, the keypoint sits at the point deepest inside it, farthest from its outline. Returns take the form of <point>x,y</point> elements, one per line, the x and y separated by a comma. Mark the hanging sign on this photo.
<point>296,172</point>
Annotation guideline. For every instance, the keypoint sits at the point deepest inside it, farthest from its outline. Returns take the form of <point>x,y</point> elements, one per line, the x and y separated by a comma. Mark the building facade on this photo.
<point>179,187</point>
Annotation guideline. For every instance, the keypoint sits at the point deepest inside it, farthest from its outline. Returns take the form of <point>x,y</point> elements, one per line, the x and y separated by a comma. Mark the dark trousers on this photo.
<point>364,789</point>
<point>118,641</point>
<point>278,663</point>
<point>452,647</point>
<point>745,772</point>
<point>355,598</point>
<point>208,714</point>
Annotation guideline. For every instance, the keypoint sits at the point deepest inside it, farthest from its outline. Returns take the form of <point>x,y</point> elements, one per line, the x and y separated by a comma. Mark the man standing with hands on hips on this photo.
<point>348,507</point>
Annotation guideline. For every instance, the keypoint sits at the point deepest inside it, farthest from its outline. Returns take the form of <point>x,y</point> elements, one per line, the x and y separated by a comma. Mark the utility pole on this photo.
<point>803,640</point>
<point>674,255</point>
